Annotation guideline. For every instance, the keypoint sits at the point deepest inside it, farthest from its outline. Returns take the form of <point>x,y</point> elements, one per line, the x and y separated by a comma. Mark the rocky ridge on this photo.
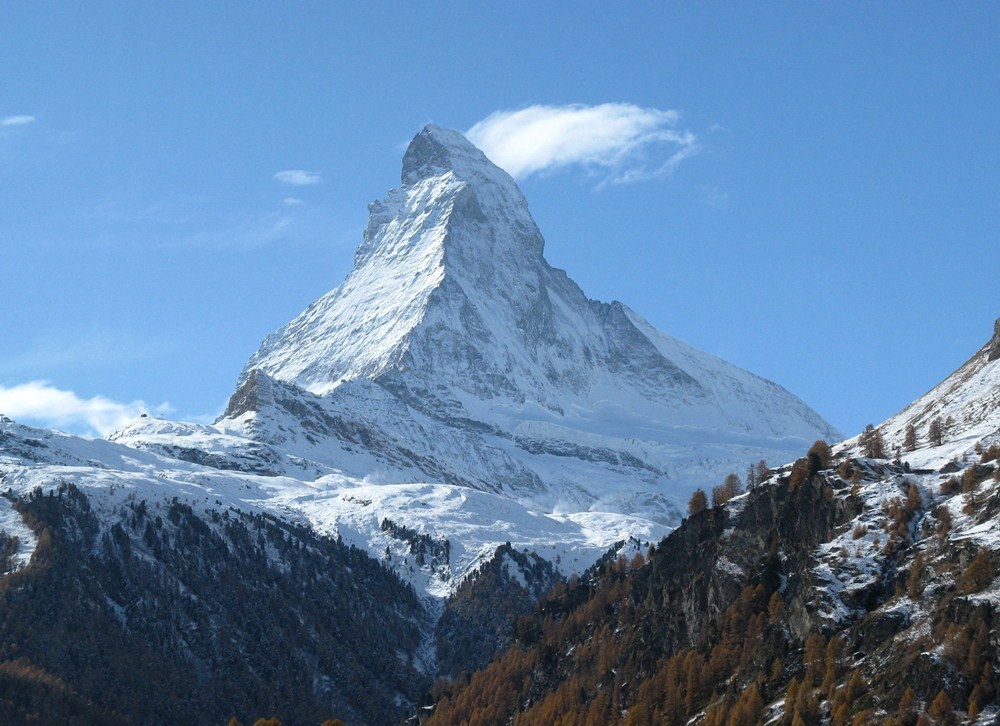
<point>843,589</point>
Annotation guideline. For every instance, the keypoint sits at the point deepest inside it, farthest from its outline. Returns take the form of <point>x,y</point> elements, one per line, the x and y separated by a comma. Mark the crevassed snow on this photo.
<point>474,522</point>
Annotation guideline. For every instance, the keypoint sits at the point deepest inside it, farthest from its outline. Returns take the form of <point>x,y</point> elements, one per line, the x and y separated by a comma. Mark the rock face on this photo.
<point>854,583</point>
<point>994,349</point>
<point>464,357</point>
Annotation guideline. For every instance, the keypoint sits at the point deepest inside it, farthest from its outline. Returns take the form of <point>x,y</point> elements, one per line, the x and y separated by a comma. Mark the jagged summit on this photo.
<point>453,339</point>
<point>435,151</point>
<point>458,228</point>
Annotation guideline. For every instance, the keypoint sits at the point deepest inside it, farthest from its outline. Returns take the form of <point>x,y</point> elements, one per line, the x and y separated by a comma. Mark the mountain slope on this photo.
<point>453,352</point>
<point>965,406</point>
<point>849,590</point>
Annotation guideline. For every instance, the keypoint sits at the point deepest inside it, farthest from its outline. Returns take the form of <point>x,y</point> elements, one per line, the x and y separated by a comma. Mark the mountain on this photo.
<point>401,472</point>
<point>454,353</point>
<point>844,589</point>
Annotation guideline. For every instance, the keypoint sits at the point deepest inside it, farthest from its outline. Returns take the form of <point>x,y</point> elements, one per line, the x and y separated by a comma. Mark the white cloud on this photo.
<point>627,143</point>
<point>291,201</point>
<point>41,402</point>
<point>298,177</point>
<point>17,120</point>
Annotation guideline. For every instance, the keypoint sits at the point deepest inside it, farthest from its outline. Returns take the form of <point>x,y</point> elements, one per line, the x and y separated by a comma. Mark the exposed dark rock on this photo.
<point>736,598</point>
<point>994,349</point>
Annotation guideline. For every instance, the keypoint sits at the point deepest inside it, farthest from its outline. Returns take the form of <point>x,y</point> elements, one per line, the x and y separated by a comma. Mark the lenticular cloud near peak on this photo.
<point>626,142</point>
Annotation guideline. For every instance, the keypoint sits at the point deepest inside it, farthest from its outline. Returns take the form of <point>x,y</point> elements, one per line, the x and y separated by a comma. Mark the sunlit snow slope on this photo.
<point>966,405</point>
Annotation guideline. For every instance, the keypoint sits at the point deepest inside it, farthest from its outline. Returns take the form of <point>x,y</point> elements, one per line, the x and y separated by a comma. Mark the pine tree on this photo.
<point>834,650</point>
<point>791,695</point>
<point>871,443</point>
<point>910,438</point>
<point>815,652</point>
<point>820,454</point>
<point>775,608</point>
<point>692,683</point>
<point>763,471</point>
<point>906,711</point>
<point>799,474</point>
<point>733,485</point>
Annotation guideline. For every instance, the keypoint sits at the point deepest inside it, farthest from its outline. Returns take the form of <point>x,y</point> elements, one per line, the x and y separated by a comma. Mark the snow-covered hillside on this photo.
<point>965,407</point>
<point>472,523</point>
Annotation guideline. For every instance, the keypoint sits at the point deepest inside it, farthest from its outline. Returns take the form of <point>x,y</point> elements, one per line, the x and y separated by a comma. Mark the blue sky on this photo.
<point>832,222</point>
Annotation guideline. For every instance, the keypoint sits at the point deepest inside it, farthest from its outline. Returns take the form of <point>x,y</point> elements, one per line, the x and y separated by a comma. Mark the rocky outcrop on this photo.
<point>852,591</point>
<point>767,538</point>
<point>994,349</point>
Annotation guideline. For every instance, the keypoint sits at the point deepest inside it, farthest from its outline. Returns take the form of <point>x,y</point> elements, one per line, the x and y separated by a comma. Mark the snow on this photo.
<point>970,397</point>
<point>13,526</point>
<point>466,358</point>
<point>458,385</point>
<point>474,522</point>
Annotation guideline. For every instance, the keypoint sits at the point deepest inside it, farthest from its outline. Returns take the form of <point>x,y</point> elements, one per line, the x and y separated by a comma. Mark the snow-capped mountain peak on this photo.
<point>454,339</point>
<point>456,216</point>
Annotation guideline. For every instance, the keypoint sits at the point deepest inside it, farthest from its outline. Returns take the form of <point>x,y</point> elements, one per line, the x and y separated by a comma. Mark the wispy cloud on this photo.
<point>624,142</point>
<point>91,348</point>
<point>715,197</point>
<point>216,224</point>
<point>41,402</point>
<point>298,177</point>
<point>17,120</point>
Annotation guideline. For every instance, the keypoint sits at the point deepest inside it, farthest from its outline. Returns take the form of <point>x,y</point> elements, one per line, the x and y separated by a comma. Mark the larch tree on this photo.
<point>935,432</point>
<point>698,502</point>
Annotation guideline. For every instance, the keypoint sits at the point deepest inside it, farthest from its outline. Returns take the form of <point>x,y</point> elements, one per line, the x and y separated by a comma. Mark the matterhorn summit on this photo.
<point>454,353</point>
